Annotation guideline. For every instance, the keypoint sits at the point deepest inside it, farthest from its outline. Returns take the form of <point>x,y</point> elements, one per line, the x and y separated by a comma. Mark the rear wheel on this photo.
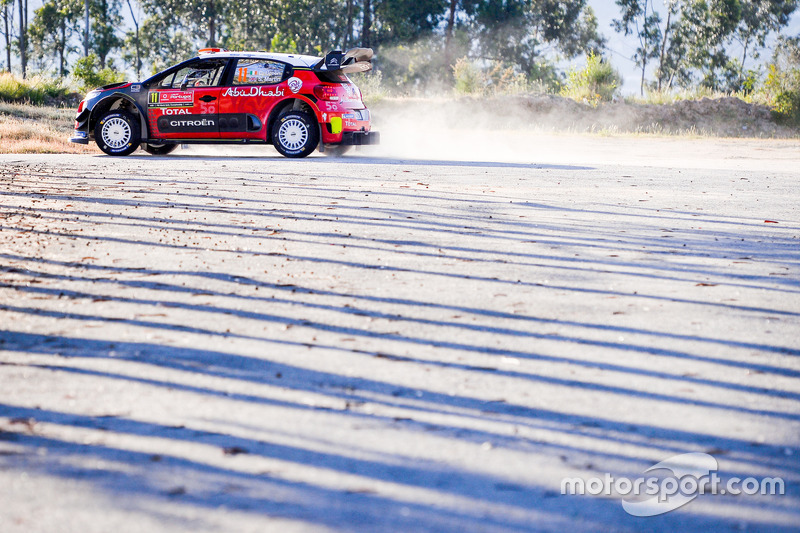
<point>295,134</point>
<point>159,149</point>
<point>117,133</point>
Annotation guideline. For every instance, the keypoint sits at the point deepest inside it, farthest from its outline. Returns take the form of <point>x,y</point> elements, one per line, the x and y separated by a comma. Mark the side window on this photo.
<point>259,72</point>
<point>206,73</point>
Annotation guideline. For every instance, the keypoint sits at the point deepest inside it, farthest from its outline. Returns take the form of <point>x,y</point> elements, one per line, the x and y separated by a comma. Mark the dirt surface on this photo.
<point>201,342</point>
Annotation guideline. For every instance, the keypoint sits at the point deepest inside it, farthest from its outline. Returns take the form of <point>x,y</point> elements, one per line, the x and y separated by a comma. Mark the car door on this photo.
<point>184,104</point>
<point>256,86</point>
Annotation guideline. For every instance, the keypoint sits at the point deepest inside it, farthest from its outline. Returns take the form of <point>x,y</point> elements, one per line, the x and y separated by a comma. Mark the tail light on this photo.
<point>326,92</point>
<point>81,105</point>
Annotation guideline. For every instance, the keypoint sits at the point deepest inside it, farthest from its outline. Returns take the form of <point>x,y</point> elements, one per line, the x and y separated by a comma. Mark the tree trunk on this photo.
<point>62,43</point>
<point>86,29</point>
<point>663,50</point>
<point>451,21</point>
<point>643,40</point>
<point>349,33</point>
<point>8,37</point>
<point>741,69</point>
<point>138,59</point>
<point>23,36</point>
<point>367,26</point>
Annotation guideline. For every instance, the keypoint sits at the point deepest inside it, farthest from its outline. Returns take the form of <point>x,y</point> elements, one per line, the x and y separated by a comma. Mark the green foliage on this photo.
<point>407,22</point>
<point>468,77</point>
<point>494,78</point>
<point>53,28</point>
<point>88,73</point>
<point>692,41</point>
<point>597,82</point>
<point>782,86</point>
<point>35,90</point>
<point>517,32</point>
<point>371,86</point>
<point>283,44</point>
<point>106,19</point>
<point>413,68</point>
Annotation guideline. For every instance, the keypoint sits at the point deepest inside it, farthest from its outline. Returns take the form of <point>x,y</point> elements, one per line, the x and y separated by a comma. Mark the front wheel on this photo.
<point>117,133</point>
<point>295,134</point>
<point>159,149</point>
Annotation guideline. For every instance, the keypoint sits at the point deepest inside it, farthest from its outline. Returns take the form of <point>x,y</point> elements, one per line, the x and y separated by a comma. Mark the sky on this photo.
<point>622,48</point>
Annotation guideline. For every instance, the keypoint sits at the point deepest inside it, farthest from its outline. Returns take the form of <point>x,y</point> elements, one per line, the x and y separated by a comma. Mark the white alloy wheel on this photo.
<point>293,134</point>
<point>116,133</point>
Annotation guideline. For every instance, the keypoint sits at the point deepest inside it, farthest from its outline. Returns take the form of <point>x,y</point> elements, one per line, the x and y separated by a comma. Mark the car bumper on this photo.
<point>79,137</point>
<point>361,138</point>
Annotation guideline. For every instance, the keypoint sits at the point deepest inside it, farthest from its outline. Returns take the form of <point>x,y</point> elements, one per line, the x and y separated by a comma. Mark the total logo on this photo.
<point>178,111</point>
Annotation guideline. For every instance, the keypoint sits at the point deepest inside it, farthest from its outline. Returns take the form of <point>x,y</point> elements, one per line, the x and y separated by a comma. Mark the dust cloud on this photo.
<point>538,131</point>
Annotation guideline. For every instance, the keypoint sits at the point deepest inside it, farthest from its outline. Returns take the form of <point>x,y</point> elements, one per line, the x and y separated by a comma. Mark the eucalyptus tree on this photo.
<point>7,7</point>
<point>645,25</point>
<point>760,19</point>
<point>53,28</point>
<point>106,21</point>
<point>22,36</point>
<point>527,33</point>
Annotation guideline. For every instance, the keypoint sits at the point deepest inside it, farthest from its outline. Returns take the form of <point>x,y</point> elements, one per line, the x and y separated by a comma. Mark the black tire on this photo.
<point>295,134</point>
<point>117,133</point>
<point>159,149</point>
<point>337,150</point>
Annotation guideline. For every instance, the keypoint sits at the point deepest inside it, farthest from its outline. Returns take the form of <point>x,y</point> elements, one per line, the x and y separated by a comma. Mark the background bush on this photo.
<point>596,82</point>
<point>89,75</point>
<point>782,86</point>
<point>36,90</point>
<point>493,78</point>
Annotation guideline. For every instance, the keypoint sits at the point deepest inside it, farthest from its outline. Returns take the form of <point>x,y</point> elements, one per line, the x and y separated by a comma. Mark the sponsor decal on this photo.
<point>348,115</point>
<point>350,123</point>
<point>81,134</point>
<point>189,124</point>
<point>193,123</point>
<point>176,111</point>
<point>251,91</point>
<point>170,99</point>
<point>175,97</point>
<point>136,88</point>
<point>295,84</point>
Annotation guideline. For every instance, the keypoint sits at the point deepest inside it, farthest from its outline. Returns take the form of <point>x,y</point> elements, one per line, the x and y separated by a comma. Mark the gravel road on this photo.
<point>219,341</point>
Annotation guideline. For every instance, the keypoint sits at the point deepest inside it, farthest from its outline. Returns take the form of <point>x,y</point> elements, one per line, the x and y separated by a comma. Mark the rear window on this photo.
<point>260,72</point>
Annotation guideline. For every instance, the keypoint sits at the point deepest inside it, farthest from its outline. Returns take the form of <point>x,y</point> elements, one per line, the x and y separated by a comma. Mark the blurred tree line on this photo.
<point>681,43</point>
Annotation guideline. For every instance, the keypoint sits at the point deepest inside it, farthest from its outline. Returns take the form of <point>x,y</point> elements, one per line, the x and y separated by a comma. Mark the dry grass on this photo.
<point>26,129</point>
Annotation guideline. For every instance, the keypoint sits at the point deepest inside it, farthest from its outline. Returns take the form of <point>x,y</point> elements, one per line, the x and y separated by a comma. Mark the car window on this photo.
<point>259,72</point>
<point>207,73</point>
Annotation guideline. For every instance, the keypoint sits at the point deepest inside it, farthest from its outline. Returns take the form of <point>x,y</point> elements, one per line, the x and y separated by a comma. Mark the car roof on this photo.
<point>296,60</point>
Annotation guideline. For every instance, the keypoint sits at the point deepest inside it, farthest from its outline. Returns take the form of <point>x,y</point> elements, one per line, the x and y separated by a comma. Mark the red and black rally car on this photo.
<point>294,102</point>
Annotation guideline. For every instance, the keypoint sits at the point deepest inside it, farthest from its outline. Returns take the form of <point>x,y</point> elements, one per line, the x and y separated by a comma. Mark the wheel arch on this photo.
<point>297,102</point>
<point>119,101</point>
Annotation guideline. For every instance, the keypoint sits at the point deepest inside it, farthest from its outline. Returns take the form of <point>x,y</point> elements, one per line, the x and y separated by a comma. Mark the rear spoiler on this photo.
<point>354,60</point>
